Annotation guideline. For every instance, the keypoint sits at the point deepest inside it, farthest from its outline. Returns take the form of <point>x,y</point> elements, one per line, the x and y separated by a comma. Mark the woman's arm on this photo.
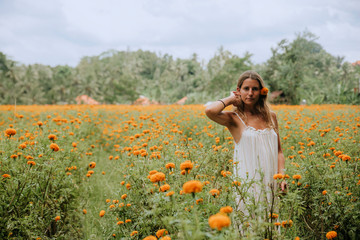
<point>215,110</point>
<point>281,158</point>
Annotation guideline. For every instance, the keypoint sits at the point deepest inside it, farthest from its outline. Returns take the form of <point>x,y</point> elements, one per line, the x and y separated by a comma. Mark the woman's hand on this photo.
<point>235,98</point>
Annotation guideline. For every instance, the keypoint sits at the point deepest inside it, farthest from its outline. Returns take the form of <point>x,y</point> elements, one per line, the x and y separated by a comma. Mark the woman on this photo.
<point>255,131</point>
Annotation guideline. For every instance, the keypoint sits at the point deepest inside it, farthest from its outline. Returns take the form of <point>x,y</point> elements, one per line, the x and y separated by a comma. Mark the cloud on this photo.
<point>63,31</point>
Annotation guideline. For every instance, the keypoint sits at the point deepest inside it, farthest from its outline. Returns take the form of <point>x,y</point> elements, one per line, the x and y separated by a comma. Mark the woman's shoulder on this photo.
<point>273,114</point>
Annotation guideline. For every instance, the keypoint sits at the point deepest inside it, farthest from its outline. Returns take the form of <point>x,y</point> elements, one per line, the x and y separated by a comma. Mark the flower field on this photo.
<point>166,172</point>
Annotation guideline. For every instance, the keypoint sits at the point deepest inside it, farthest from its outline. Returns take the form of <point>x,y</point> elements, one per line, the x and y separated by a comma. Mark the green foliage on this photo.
<point>301,69</point>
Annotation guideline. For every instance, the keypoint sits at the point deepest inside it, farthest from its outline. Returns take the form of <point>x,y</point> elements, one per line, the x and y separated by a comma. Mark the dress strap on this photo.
<point>240,119</point>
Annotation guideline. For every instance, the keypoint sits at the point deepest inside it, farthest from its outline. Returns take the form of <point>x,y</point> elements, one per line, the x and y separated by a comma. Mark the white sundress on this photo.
<point>256,151</point>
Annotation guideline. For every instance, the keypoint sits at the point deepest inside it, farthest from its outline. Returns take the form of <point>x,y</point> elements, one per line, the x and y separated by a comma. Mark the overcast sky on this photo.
<point>59,32</point>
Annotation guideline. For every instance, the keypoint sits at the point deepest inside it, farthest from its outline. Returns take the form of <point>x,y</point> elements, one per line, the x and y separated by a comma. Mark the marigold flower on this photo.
<point>57,218</point>
<point>133,233</point>
<point>164,187</point>
<point>170,165</point>
<point>10,132</point>
<point>324,192</point>
<point>297,177</point>
<point>128,186</point>
<point>52,137</point>
<point>331,235</point>
<point>54,147</point>
<point>200,200</point>
<point>286,223</point>
<point>278,176</point>
<point>187,165</point>
<point>22,146</point>
<point>6,175</point>
<point>32,163</point>
<point>192,186</point>
<point>226,209</point>
<point>124,196</point>
<point>161,233</point>
<point>170,193</point>
<point>157,177</point>
<point>214,192</point>
<point>102,213</point>
<point>151,237</point>
<point>92,165</point>
<point>84,211</point>
<point>166,238</point>
<point>264,91</point>
<point>219,221</point>
<point>273,216</point>
<point>14,156</point>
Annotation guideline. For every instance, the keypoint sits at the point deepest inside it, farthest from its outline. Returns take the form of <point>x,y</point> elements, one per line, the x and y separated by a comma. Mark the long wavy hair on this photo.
<point>261,107</point>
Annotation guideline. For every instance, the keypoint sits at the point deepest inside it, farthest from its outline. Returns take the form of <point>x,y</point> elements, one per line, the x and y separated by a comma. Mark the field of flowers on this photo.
<point>165,172</point>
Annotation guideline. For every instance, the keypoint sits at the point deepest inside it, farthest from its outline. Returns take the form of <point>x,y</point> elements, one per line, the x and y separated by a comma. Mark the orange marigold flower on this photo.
<point>164,187</point>
<point>192,186</point>
<point>170,165</point>
<point>128,186</point>
<point>214,192</point>
<point>324,192</point>
<point>57,218</point>
<point>170,193</point>
<point>92,164</point>
<point>286,223</point>
<point>151,237</point>
<point>187,165</point>
<point>32,163</point>
<point>345,157</point>
<point>264,91</point>
<point>331,235</point>
<point>226,209</point>
<point>297,177</point>
<point>22,146</point>
<point>124,196</point>
<point>273,216</point>
<point>10,132</point>
<point>14,156</point>
<point>54,147</point>
<point>74,144</point>
<point>200,200</point>
<point>133,233</point>
<point>161,233</point>
<point>157,177</point>
<point>6,175</point>
<point>120,222</point>
<point>278,176</point>
<point>52,137</point>
<point>102,213</point>
<point>39,123</point>
<point>219,221</point>
<point>84,211</point>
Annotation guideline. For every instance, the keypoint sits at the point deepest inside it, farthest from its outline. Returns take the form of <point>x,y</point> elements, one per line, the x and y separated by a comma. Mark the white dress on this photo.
<point>257,151</point>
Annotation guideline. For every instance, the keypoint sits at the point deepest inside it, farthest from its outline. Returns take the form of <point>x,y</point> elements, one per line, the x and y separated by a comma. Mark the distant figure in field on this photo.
<point>255,131</point>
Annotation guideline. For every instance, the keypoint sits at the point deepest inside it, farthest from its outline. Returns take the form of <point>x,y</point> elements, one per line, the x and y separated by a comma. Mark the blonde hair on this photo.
<point>261,106</point>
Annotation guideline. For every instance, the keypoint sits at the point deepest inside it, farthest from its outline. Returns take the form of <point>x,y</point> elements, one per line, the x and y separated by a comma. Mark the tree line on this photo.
<point>297,70</point>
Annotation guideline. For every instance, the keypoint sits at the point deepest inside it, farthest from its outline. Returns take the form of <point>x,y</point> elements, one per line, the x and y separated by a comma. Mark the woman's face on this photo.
<point>250,92</point>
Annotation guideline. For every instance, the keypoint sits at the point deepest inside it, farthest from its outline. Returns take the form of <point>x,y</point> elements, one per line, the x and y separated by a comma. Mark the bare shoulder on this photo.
<point>273,115</point>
